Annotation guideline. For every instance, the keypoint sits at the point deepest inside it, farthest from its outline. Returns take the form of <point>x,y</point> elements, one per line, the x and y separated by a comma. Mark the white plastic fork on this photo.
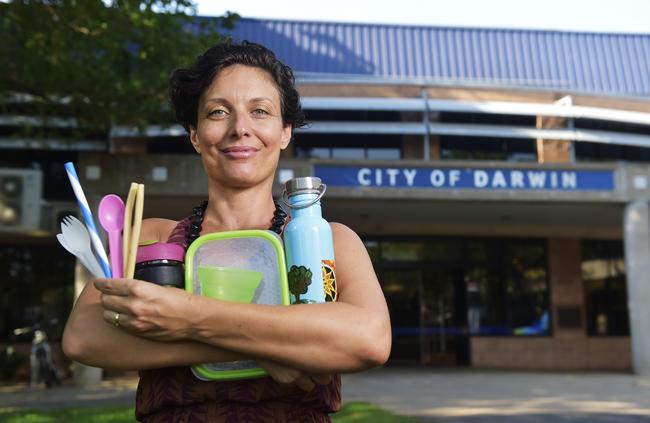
<point>75,238</point>
<point>95,269</point>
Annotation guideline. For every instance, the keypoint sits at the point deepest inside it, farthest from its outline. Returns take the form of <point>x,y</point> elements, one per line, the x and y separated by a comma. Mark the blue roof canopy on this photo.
<point>596,63</point>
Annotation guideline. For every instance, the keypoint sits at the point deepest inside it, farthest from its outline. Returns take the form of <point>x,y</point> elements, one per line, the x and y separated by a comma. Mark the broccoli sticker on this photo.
<point>299,281</point>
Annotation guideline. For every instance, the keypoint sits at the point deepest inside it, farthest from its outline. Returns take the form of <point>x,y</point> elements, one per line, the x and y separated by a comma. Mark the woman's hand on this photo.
<point>286,376</point>
<point>146,309</point>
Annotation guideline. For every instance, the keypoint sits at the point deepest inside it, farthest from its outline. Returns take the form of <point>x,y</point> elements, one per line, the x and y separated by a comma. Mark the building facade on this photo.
<point>499,179</point>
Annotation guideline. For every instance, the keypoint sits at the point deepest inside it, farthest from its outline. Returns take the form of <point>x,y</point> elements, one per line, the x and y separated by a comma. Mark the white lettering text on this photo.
<point>410,176</point>
<point>437,178</point>
<point>499,181</point>
<point>454,177</point>
<point>536,179</point>
<point>363,175</point>
<point>480,179</point>
<point>569,180</point>
<point>392,176</point>
<point>516,179</point>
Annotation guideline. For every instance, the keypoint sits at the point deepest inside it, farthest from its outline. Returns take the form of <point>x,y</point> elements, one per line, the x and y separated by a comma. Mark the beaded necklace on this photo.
<point>198,212</point>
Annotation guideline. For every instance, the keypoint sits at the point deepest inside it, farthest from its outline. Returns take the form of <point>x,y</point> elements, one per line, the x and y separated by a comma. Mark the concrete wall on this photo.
<point>585,353</point>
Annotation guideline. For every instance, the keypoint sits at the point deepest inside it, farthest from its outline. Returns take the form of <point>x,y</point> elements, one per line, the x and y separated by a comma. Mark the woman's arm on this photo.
<point>89,339</point>
<point>350,335</point>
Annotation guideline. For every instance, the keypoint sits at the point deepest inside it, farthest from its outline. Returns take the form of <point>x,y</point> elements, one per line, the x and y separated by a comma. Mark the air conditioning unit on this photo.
<point>20,199</point>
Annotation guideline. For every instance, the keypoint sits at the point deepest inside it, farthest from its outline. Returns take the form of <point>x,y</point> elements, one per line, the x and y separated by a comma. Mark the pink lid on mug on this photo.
<point>160,251</point>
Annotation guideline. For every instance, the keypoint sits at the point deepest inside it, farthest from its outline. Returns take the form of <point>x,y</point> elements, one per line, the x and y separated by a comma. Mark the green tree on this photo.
<point>96,62</point>
<point>299,281</point>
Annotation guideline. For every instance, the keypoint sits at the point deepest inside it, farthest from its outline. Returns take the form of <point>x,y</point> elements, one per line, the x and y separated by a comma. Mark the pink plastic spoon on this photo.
<point>111,217</point>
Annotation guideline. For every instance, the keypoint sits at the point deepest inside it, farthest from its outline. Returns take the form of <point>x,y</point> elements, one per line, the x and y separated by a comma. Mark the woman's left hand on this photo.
<point>286,375</point>
<point>146,309</point>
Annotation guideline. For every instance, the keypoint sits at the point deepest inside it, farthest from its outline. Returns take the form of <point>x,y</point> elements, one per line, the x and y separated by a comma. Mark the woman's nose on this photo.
<point>240,126</point>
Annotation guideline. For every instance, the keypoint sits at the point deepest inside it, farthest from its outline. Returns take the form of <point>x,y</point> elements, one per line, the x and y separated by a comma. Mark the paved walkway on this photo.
<point>444,396</point>
<point>112,392</point>
<point>472,396</point>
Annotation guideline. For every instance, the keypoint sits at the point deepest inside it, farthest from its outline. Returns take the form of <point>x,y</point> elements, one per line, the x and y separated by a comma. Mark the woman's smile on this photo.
<point>239,152</point>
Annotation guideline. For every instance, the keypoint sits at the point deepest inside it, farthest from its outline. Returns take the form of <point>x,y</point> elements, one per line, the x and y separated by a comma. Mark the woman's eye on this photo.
<point>217,112</point>
<point>260,112</point>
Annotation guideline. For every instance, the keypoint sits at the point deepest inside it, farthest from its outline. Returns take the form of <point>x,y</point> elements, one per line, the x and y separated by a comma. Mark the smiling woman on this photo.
<point>240,130</point>
<point>239,106</point>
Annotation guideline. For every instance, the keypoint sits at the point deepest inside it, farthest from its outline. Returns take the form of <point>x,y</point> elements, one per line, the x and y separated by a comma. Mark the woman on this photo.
<point>240,106</point>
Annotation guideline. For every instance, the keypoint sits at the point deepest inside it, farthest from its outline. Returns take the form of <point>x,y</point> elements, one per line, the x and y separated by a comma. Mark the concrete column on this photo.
<point>553,151</point>
<point>637,264</point>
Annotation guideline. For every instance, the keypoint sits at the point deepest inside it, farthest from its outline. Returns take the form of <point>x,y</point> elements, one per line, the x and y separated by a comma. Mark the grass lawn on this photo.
<point>353,412</point>
<point>361,412</point>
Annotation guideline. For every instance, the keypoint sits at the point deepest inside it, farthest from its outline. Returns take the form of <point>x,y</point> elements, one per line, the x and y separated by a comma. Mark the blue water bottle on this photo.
<point>308,243</point>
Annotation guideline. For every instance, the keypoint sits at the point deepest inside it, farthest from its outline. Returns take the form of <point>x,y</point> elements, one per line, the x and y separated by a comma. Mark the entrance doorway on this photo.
<point>428,309</point>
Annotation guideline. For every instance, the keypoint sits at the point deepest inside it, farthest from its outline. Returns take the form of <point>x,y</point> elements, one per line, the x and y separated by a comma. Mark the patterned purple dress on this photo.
<point>175,395</point>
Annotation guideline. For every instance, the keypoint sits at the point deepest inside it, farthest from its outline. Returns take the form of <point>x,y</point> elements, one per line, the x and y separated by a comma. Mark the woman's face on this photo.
<point>239,131</point>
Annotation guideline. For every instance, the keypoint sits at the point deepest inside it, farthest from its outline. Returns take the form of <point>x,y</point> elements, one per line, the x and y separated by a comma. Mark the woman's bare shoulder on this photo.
<point>341,229</point>
<point>156,229</point>
<point>345,237</point>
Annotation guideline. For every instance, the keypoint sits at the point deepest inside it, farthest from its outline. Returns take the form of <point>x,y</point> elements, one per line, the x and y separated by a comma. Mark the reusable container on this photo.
<point>162,264</point>
<point>308,244</point>
<point>245,266</point>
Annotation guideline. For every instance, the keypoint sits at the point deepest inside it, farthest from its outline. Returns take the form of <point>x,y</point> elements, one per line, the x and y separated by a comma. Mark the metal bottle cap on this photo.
<point>304,184</point>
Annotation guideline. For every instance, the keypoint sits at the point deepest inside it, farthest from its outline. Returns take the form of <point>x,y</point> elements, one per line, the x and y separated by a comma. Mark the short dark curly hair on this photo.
<point>186,85</point>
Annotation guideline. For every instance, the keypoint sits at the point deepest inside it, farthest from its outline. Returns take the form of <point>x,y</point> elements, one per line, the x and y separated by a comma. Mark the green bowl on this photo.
<point>229,284</point>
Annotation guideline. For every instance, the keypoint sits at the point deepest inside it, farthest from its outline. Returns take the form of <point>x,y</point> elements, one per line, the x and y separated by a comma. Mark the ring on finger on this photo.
<point>116,319</point>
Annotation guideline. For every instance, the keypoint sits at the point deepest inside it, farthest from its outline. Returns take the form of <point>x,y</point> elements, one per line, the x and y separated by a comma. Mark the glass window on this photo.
<point>486,311</point>
<point>383,153</point>
<point>401,251</point>
<point>314,153</point>
<point>526,300</point>
<point>477,250</point>
<point>505,280</point>
<point>442,249</point>
<point>483,148</point>
<point>603,275</point>
<point>348,153</point>
<point>485,119</point>
<point>348,146</point>
<point>425,250</point>
<point>320,115</point>
<point>509,295</point>
<point>598,152</point>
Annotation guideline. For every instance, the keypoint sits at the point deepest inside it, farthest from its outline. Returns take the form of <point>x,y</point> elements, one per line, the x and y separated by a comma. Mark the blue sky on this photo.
<point>570,15</point>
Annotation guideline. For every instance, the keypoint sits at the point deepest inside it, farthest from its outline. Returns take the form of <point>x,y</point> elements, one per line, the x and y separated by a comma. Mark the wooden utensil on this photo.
<point>128,218</point>
<point>135,231</point>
